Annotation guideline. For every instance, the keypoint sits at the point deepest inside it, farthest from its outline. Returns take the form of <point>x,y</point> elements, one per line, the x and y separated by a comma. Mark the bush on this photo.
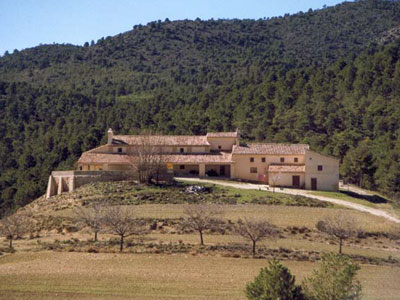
<point>334,279</point>
<point>274,283</point>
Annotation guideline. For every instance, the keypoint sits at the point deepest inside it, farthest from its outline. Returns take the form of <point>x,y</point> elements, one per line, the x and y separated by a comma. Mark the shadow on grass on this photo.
<point>370,198</point>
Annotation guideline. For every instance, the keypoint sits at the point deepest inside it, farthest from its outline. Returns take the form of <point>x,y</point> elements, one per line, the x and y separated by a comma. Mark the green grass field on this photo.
<point>351,197</point>
<point>51,275</point>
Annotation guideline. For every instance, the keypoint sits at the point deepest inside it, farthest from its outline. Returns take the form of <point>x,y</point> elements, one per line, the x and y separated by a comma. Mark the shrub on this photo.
<point>274,283</point>
<point>334,279</point>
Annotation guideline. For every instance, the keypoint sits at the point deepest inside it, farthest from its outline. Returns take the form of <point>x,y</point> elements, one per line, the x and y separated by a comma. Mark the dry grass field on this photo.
<point>52,275</point>
<point>220,270</point>
<point>279,215</point>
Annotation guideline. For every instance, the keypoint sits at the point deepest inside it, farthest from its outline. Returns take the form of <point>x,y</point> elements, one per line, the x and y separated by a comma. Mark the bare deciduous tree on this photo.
<point>201,217</point>
<point>92,217</point>
<point>254,231</point>
<point>274,178</point>
<point>120,221</point>
<point>340,227</point>
<point>33,225</point>
<point>13,226</point>
<point>146,158</point>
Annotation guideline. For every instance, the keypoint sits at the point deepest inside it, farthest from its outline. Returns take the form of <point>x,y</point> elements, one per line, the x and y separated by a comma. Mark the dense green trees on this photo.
<point>330,78</point>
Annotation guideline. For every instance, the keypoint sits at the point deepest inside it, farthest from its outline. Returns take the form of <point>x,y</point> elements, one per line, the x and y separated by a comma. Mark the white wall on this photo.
<point>285,179</point>
<point>243,164</point>
<point>328,178</point>
<point>226,143</point>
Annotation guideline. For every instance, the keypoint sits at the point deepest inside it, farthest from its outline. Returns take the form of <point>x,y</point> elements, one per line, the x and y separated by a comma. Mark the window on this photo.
<point>296,159</point>
<point>119,150</point>
<point>253,170</point>
<point>262,159</point>
<point>320,168</point>
<point>80,168</point>
<point>251,159</point>
<point>182,167</point>
<point>219,147</point>
<point>282,159</point>
<point>182,150</point>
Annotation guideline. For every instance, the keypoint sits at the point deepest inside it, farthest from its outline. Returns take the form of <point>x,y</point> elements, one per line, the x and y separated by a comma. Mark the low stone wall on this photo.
<point>68,181</point>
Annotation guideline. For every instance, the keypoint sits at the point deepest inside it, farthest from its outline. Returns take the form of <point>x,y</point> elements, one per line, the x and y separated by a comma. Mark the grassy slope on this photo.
<point>42,275</point>
<point>155,202</point>
<point>128,193</point>
<point>371,199</point>
<point>49,275</point>
<point>282,216</point>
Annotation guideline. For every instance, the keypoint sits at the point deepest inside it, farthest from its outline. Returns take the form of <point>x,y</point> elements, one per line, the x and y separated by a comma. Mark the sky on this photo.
<point>28,23</point>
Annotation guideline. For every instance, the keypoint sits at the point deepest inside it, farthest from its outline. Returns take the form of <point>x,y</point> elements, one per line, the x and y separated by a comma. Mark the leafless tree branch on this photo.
<point>147,159</point>
<point>120,220</point>
<point>201,217</point>
<point>254,231</point>
<point>340,227</point>
<point>92,217</point>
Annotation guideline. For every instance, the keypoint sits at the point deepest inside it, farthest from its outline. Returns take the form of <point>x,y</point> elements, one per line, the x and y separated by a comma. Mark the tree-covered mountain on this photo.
<point>330,78</point>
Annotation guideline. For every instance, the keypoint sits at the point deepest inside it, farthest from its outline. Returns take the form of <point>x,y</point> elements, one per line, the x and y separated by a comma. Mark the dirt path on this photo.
<point>251,186</point>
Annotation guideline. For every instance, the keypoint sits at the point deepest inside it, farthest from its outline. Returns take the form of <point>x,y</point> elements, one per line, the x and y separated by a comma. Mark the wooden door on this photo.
<point>296,180</point>
<point>222,171</point>
<point>313,184</point>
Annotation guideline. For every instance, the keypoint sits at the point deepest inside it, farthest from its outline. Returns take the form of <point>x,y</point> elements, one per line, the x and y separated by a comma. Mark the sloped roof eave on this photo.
<point>164,140</point>
<point>270,149</point>
<point>109,158</point>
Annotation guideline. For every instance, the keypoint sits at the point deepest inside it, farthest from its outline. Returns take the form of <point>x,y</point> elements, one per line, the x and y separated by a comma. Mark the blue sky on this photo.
<point>28,23</point>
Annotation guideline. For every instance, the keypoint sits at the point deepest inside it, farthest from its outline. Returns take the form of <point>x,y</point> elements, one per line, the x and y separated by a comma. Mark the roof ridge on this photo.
<point>160,135</point>
<point>92,150</point>
<point>277,144</point>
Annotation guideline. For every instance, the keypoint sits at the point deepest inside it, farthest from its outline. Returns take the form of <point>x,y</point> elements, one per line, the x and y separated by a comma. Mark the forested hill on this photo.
<point>330,78</point>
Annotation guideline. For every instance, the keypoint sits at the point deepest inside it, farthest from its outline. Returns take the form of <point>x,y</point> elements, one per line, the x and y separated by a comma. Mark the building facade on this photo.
<point>221,155</point>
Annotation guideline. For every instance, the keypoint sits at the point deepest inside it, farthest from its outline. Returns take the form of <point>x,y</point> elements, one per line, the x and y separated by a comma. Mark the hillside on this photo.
<point>329,78</point>
<point>56,236</point>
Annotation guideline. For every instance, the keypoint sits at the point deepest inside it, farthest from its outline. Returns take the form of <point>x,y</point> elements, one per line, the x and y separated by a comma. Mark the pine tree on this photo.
<point>274,283</point>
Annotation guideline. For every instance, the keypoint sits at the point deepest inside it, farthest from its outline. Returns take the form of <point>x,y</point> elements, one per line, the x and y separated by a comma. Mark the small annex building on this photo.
<point>222,155</point>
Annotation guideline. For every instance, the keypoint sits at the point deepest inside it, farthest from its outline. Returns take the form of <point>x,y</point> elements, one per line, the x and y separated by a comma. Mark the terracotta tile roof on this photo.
<point>163,140</point>
<point>273,149</point>
<point>287,168</point>
<point>222,134</point>
<point>100,149</point>
<point>220,157</point>
<point>109,158</point>
<point>102,158</point>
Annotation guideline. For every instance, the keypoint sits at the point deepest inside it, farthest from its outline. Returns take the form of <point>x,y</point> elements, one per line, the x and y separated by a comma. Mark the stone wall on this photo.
<point>68,181</point>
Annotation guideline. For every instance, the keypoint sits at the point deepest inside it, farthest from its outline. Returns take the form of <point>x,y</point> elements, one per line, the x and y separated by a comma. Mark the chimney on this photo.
<point>110,136</point>
<point>237,136</point>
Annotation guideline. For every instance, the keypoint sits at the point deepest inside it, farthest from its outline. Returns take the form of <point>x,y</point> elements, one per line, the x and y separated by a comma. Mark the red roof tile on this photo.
<point>272,149</point>
<point>108,158</point>
<point>220,157</point>
<point>287,169</point>
<point>102,158</point>
<point>162,140</point>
